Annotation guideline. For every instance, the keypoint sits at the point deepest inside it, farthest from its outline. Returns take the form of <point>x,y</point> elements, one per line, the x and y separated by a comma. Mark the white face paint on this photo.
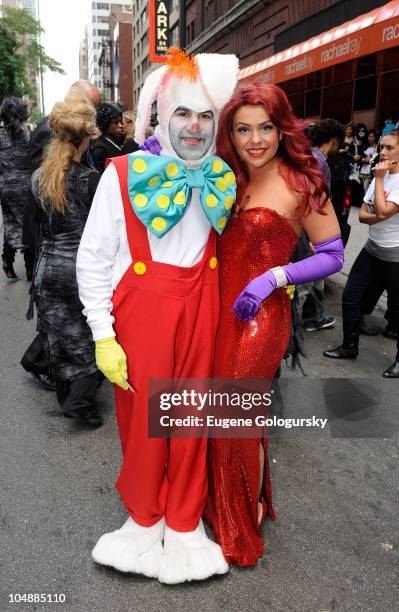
<point>191,133</point>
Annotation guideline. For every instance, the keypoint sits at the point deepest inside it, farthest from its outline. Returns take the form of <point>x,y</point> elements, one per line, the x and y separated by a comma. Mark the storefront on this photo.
<point>350,72</point>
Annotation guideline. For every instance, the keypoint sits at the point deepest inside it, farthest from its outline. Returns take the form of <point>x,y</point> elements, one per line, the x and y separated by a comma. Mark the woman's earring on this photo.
<point>280,137</point>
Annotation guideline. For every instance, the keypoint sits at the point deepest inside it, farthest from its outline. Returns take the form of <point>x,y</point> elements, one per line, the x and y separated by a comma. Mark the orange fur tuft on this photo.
<point>181,65</point>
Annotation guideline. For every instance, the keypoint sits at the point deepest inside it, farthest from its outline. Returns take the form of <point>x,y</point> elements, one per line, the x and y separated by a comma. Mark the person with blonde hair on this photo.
<point>129,119</point>
<point>64,188</point>
<point>34,360</point>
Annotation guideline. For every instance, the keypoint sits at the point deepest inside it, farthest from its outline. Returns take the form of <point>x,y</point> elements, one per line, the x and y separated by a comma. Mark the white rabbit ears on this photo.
<point>218,74</point>
<point>148,95</point>
<point>213,73</point>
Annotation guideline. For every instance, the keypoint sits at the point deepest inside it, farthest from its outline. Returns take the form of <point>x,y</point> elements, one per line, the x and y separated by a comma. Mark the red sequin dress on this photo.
<point>254,241</point>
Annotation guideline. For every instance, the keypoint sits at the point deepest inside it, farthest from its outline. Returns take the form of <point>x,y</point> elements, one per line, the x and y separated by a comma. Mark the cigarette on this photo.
<point>129,386</point>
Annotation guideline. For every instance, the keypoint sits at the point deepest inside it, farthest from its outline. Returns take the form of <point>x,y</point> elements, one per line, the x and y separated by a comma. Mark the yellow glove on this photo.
<point>290,291</point>
<point>111,360</point>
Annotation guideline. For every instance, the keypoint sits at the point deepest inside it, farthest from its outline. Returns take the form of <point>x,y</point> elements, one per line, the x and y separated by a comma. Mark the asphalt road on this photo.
<point>334,544</point>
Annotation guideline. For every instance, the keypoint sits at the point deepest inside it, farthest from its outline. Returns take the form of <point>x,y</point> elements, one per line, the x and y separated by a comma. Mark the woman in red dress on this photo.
<point>280,193</point>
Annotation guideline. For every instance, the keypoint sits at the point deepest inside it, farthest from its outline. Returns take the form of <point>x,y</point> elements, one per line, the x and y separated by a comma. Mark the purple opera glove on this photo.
<point>328,259</point>
<point>151,145</point>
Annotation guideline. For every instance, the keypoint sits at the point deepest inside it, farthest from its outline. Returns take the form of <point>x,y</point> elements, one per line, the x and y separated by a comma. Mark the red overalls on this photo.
<point>165,320</point>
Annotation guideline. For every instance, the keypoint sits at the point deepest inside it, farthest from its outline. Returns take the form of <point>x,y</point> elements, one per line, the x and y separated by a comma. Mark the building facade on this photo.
<point>361,89</point>
<point>121,34</point>
<point>141,63</point>
<point>98,32</point>
<point>84,58</point>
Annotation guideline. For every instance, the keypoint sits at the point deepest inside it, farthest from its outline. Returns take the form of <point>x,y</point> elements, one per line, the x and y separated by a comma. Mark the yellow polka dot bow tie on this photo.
<point>160,189</point>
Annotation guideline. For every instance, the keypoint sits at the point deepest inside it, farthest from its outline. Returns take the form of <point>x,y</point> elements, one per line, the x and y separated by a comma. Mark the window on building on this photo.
<point>312,103</point>
<point>343,72</point>
<point>94,18</point>
<point>390,59</point>
<point>314,80</point>
<point>209,13</point>
<point>144,66</point>
<point>190,32</point>
<point>337,101</point>
<point>94,45</point>
<point>94,32</point>
<point>365,93</point>
<point>366,65</point>
<point>174,37</point>
<point>144,42</point>
<point>103,20</point>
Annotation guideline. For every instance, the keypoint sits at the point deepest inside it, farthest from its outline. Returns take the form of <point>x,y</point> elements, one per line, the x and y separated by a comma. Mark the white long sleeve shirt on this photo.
<point>104,256</point>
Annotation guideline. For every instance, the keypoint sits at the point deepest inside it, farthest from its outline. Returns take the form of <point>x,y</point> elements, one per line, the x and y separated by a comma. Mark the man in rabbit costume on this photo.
<point>148,280</point>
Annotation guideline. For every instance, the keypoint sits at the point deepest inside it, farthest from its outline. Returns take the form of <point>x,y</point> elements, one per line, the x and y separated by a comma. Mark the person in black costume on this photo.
<point>64,188</point>
<point>14,182</point>
<point>112,140</point>
<point>34,359</point>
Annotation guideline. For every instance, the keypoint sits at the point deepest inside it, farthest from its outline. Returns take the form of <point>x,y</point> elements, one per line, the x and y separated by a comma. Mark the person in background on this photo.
<point>41,136</point>
<point>355,153</point>
<point>339,193</point>
<point>129,120</point>
<point>368,156</point>
<point>325,137</point>
<point>63,188</point>
<point>389,125</point>
<point>112,142</point>
<point>14,182</point>
<point>347,143</point>
<point>34,360</point>
<point>378,261</point>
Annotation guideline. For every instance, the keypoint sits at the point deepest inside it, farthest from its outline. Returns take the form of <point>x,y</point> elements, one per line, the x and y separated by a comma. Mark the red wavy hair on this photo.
<point>298,166</point>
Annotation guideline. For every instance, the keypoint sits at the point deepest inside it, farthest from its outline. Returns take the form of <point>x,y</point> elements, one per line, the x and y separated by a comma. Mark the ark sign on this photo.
<point>158,13</point>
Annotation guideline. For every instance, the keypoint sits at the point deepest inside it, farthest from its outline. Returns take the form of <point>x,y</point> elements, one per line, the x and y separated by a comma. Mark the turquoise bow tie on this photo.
<point>160,188</point>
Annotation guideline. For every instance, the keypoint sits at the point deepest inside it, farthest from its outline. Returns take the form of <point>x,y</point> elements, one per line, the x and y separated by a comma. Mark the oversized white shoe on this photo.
<point>132,548</point>
<point>190,556</point>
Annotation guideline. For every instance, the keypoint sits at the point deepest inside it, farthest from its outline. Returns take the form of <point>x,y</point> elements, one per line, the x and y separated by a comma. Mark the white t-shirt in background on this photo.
<point>385,233</point>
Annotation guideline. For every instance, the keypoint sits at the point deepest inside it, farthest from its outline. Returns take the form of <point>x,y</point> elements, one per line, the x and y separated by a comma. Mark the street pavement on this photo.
<point>334,544</point>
